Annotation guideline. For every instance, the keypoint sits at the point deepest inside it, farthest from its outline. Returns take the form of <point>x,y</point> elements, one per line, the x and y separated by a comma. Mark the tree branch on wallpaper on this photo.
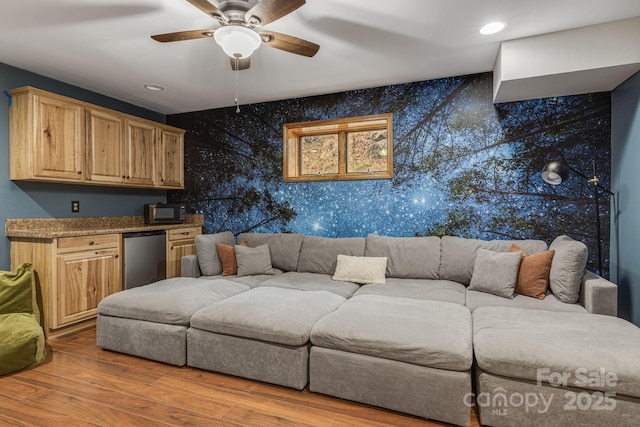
<point>462,166</point>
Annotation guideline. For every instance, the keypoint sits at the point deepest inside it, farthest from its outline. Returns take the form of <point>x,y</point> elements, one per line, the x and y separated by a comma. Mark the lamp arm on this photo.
<point>590,180</point>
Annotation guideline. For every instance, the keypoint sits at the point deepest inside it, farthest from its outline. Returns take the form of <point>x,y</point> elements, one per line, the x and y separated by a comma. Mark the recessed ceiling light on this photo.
<point>492,28</point>
<point>154,87</point>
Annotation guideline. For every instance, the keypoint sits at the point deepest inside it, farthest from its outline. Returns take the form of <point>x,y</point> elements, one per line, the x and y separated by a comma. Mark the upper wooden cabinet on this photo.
<point>46,139</point>
<point>171,162</point>
<point>54,138</point>
<point>105,149</point>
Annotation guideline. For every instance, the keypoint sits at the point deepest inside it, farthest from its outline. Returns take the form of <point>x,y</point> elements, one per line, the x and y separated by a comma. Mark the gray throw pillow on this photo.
<point>496,272</point>
<point>208,258</point>
<point>252,261</point>
<point>567,268</point>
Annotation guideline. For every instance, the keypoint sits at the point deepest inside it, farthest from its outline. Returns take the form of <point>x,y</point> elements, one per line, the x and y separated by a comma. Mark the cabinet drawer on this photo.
<point>183,233</point>
<point>82,243</point>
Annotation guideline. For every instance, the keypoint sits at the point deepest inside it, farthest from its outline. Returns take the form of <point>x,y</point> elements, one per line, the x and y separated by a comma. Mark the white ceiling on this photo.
<point>104,45</point>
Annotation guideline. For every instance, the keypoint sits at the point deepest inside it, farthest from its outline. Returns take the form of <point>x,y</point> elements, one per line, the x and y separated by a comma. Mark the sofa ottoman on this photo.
<point>262,334</point>
<point>151,321</point>
<point>538,367</point>
<point>407,355</point>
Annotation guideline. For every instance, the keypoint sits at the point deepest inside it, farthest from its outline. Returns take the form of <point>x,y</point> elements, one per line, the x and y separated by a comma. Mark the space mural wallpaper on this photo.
<point>462,166</point>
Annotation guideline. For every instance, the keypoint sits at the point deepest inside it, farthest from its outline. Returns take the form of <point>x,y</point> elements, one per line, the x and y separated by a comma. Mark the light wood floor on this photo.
<point>82,385</point>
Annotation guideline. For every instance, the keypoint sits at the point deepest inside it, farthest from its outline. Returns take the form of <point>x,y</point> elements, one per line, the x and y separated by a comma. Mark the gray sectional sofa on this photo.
<point>432,340</point>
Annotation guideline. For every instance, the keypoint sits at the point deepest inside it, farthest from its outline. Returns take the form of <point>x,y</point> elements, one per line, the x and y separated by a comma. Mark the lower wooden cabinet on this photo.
<point>84,279</point>
<point>74,275</point>
<point>180,242</point>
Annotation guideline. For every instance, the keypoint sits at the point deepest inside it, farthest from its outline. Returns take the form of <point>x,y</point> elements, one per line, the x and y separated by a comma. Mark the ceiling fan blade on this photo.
<point>209,9</point>
<point>183,35</point>
<point>243,64</point>
<point>289,43</point>
<point>267,11</point>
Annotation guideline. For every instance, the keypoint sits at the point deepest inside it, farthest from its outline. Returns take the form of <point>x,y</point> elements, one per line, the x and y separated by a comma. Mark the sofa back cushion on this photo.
<point>458,255</point>
<point>407,257</point>
<point>284,248</point>
<point>208,258</point>
<point>567,268</point>
<point>320,254</point>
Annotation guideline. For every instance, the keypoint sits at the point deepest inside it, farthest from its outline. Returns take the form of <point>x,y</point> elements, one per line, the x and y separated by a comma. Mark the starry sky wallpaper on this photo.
<point>462,166</point>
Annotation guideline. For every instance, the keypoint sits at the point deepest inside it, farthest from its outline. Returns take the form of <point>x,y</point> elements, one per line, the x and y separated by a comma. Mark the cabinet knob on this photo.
<point>123,176</point>
<point>91,243</point>
<point>186,233</point>
<point>117,256</point>
<point>79,172</point>
<point>128,177</point>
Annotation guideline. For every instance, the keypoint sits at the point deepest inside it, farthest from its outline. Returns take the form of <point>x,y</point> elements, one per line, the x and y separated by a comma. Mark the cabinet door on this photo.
<point>58,141</point>
<point>175,251</point>
<point>171,159</point>
<point>140,153</point>
<point>105,147</point>
<point>84,279</point>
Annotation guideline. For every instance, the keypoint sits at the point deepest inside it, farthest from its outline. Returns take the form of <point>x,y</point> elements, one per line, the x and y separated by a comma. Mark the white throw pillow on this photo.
<point>360,269</point>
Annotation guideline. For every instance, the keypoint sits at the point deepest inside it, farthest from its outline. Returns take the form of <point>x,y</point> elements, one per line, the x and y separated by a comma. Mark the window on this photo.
<point>340,149</point>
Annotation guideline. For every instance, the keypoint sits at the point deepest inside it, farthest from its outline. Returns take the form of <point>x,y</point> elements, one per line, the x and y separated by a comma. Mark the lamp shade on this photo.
<point>555,172</point>
<point>237,41</point>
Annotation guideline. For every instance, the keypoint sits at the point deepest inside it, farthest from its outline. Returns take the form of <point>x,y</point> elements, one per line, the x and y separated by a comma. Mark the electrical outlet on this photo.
<point>75,206</point>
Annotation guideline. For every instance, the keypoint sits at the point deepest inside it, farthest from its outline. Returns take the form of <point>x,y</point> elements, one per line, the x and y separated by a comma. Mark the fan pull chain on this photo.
<point>237,77</point>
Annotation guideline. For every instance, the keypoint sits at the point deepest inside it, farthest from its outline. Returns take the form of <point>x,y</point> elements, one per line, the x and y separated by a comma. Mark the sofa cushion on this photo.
<point>360,269</point>
<point>310,282</point>
<point>427,289</point>
<point>170,301</point>
<point>533,276</point>
<point>476,299</point>
<point>428,333</point>
<point>208,258</point>
<point>284,248</point>
<point>567,268</point>
<point>458,255</point>
<point>250,281</point>
<point>281,316</point>
<point>496,272</point>
<point>531,344</point>
<point>228,260</point>
<point>253,261</point>
<point>320,254</point>
<point>408,257</point>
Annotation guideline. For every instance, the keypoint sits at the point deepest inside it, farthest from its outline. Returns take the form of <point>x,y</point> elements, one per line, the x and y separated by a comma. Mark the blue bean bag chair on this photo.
<point>22,342</point>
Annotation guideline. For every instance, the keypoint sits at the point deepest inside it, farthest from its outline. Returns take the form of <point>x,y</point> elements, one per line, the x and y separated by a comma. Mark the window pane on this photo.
<point>367,151</point>
<point>319,154</point>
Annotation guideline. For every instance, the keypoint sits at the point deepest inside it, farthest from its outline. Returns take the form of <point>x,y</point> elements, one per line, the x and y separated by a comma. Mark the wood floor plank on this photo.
<point>27,412</point>
<point>137,405</point>
<point>83,385</point>
<point>313,416</point>
<point>12,387</point>
<point>339,406</point>
<point>246,417</point>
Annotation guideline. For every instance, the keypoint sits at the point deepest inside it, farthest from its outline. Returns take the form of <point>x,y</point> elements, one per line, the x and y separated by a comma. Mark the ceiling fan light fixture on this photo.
<point>237,41</point>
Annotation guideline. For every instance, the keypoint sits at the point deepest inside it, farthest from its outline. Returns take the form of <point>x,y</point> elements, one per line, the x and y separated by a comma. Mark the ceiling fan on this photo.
<point>238,36</point>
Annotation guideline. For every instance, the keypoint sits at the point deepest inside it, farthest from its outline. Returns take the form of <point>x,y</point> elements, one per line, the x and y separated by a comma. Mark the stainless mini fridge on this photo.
<point>144,258</point>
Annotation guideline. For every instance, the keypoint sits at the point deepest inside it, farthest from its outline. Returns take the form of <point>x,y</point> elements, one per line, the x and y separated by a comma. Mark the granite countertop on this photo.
<point>52,228</point>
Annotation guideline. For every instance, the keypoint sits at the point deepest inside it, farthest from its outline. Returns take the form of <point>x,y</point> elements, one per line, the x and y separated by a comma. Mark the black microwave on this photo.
<point>164,213</point>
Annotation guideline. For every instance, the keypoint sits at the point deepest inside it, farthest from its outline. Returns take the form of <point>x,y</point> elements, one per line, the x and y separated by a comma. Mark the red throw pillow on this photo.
<point>228,259</point>
<point>533,276</point>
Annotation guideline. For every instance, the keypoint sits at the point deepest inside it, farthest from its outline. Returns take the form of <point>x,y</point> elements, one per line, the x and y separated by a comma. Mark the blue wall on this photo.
<point>625,153</point>
<point>43,200</point>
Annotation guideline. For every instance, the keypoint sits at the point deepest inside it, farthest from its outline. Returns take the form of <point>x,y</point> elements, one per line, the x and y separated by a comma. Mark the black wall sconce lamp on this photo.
<point>556,172</point>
